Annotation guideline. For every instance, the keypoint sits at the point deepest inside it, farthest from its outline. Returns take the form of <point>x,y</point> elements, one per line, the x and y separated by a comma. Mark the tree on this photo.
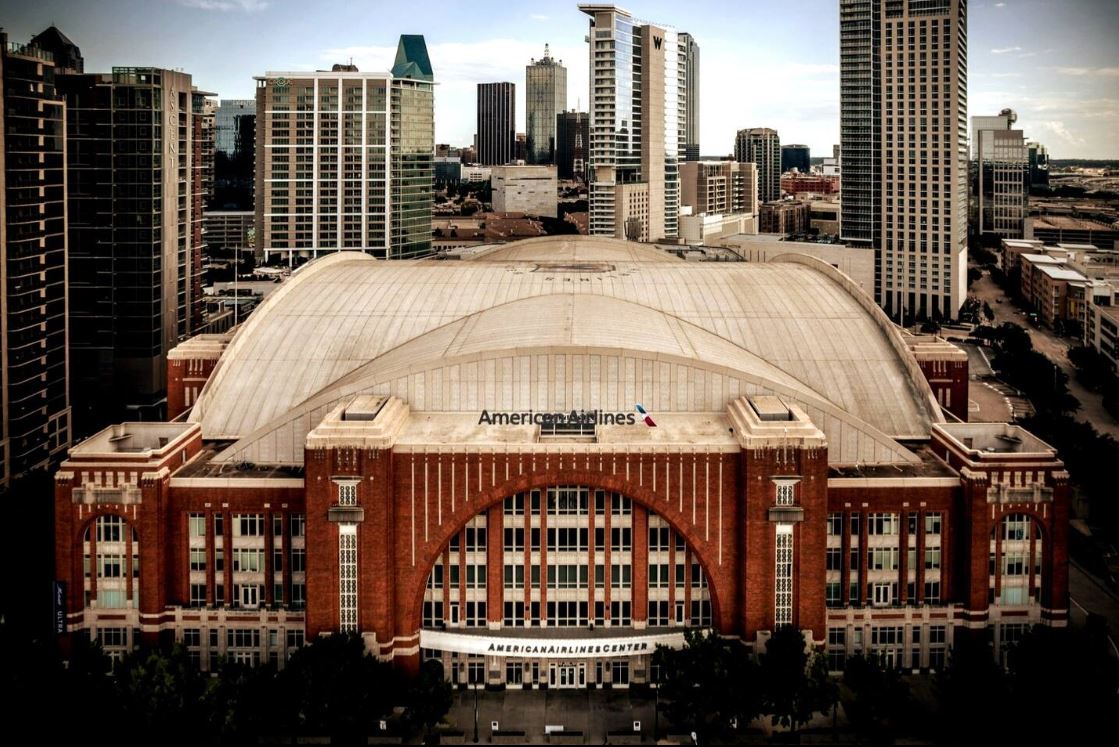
<point>876,699</point>
<point>970,689</point>
<point>240,701</point>
<point>1077,659</point>
<point>796,682</point>
<point>334,687</point>
<point>708,683</point>
<point>429,698</point>
<point>161,694</point>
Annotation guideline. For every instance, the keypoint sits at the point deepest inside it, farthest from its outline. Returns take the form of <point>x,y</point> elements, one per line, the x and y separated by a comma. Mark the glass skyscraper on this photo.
<point>635,126</point>
<point>545,98</point>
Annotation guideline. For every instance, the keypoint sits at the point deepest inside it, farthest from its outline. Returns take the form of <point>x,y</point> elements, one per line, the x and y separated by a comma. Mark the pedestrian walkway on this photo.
<point>595,713</point>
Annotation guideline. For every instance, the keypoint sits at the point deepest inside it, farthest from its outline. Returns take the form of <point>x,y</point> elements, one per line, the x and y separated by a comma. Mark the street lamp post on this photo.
<point>475,713</point>
<point>656,710</point>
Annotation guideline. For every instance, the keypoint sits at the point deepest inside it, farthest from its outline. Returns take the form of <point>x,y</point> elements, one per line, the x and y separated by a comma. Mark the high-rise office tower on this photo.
<point>134,188</point>
<point>903,133</point>
<point>545,98</point>
<point>345,159</point>
<point>497,123</point>
<point>34,400</point>
<point>797,157</point>
<point>688,95</point>
<point>634,126</point>
<point>572,139</point>
<point>234,149</point>
<point>761,146</point>
<point>1039,164</point>
<point>1001,176</point>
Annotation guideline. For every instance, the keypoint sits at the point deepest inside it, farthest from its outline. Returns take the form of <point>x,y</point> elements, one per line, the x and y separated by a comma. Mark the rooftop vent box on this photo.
<point>363,408</point>
<point>771,409</point>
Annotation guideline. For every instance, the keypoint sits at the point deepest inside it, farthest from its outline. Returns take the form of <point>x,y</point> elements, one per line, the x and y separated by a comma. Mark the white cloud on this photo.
<point>1062,132</point>
<point>245,6</point>
<point>1005,50</point>
<point>1000,5</point>
<point>1108,72</point>
<point>539,17</point>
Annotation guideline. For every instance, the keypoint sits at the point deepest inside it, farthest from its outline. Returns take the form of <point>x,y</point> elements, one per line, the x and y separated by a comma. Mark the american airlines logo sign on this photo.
<point>572,418</point>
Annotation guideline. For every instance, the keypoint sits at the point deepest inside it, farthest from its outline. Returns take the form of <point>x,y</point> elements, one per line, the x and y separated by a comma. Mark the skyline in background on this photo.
<point>763,64</point>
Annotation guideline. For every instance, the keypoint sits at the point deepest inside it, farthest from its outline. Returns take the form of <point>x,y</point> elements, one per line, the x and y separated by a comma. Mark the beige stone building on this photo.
<point>531,190</point>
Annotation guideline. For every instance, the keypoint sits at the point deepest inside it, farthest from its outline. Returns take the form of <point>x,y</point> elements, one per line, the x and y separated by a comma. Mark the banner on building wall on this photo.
<point>59,604</point>
<point>548,648</point>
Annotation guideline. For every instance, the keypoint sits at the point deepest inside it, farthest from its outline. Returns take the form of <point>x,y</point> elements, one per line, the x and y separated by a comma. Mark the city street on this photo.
<point>1087,594</point>
<point>1052,347</point>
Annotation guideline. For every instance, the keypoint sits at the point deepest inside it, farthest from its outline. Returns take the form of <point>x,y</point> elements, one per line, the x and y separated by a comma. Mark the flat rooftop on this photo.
<point>1068,223</point>
<point>929,465</point>
<point>134,438</point>
<point>994,438</point>
<point>673,431</point>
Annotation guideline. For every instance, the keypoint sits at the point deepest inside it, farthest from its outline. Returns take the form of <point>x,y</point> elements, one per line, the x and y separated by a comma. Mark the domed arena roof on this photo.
<point>564,323</point>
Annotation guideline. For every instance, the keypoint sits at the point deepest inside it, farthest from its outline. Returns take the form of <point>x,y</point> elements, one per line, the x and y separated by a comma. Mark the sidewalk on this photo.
<point>593,712</point>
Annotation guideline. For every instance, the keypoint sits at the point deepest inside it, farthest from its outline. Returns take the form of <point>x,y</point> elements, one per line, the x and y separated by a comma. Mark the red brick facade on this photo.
<point>409,503</point>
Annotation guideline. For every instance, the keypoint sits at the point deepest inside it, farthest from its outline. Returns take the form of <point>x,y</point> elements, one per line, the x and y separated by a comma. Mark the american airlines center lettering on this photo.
<point>572,648</point>
<point>575,417</point>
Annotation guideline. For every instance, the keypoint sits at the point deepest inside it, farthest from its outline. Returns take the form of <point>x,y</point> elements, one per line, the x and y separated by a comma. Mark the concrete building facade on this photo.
<point>709,187</point>
<point>903,131</point>
<point>762,147</point>
<point>344,159</point>
<point>785,217</point>
<point>35,427</point>
<point>532,190</point>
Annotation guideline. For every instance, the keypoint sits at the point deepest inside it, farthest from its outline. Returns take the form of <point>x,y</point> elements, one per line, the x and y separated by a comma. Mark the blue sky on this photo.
<point>764,63</point>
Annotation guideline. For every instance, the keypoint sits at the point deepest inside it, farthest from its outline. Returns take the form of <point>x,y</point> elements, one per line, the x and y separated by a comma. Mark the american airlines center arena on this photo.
<point>539,460</point>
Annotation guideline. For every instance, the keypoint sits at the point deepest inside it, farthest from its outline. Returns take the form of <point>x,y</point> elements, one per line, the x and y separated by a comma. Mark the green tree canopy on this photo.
<point>708,683</point>
<point>796,681</point>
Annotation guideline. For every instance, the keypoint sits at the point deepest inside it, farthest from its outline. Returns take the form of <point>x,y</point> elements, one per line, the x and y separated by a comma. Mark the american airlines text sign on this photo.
<point>548,648</point>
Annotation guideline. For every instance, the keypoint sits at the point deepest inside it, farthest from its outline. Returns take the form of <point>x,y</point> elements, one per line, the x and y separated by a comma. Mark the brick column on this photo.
<point>864,555</point>
<point>606,556</point>
<point>211,559</point>
<point>269,566</point>
<point>543,554</point>
<point>495,566</point>
<point>1056,557</point>
<point>640,563</point>
<point>591,516</point>
<point>845,559</point>
<point>903,557</point>
<point>919,583</point>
